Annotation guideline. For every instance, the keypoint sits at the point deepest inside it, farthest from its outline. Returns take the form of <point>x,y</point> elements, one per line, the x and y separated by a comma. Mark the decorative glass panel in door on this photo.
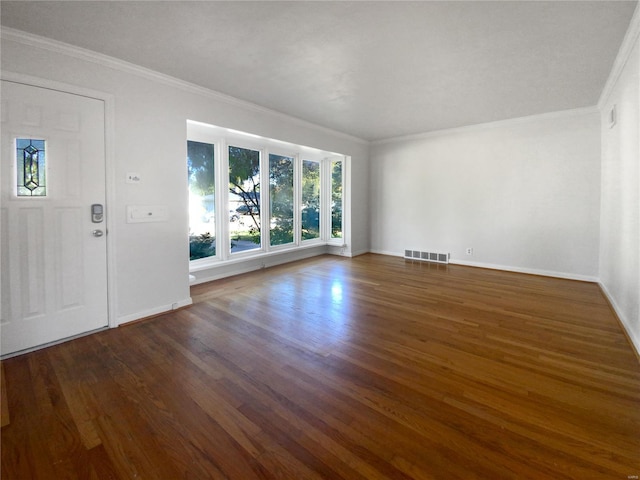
<point>31,167</point>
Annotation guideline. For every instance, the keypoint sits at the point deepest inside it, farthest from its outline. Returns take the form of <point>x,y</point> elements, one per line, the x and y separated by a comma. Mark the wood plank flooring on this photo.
<point>335,368</point>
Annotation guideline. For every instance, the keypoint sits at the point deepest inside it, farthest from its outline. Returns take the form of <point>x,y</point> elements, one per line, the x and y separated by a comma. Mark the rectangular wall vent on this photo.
<point>427,256</point>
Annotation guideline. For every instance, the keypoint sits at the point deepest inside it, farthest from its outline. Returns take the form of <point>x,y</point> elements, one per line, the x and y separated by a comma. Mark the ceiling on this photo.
<point>373,70</point>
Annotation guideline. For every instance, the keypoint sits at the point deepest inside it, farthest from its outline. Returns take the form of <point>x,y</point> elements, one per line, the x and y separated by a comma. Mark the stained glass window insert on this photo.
<point>31,167</point>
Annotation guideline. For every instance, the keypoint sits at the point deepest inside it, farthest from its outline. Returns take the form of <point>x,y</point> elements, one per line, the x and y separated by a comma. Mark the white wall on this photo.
<point>620,210</point>
<point>524,194</point>
<point>151,259</point>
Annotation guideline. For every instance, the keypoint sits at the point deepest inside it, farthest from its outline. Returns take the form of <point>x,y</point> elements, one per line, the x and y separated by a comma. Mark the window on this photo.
<point>202,220</point>
<point>281,199</point>
<point>336,199</point>
<point>31,168</point>
<point>310,200</point>
<point>251,196</point>
<point>244,197</point>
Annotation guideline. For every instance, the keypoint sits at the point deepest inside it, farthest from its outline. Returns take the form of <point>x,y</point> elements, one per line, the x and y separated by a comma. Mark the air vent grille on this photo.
<point>426,256</point>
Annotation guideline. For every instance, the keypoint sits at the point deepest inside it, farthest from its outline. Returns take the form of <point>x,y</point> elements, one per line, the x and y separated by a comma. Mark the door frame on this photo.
<point>109,125</point>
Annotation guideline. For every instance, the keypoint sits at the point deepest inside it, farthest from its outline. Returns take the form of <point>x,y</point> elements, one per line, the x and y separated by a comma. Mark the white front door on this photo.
<point>54,257</point>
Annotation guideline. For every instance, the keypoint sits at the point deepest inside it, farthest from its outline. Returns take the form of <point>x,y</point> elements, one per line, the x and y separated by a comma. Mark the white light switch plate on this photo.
<point>147,213</point>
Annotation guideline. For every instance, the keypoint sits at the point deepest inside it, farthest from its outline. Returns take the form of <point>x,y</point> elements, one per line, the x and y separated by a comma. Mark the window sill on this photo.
<point>213,264</point>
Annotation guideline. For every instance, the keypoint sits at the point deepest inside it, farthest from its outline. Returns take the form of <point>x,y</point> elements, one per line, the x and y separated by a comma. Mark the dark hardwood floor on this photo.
<point>335,368</point>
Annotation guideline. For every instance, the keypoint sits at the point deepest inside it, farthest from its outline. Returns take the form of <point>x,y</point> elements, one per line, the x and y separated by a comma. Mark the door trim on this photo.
<point>109,125</point>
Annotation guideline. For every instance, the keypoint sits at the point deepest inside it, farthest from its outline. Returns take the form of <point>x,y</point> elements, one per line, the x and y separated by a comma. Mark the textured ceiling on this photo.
<point>370,69</point>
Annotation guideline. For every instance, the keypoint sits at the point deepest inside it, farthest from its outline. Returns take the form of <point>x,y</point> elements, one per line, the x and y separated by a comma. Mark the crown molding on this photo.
<point>489,125</point>
<point>36,41</point>
<point>628,43</point>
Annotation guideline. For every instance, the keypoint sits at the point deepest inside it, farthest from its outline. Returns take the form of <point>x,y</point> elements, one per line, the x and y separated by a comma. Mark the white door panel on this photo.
<point>54,270</point>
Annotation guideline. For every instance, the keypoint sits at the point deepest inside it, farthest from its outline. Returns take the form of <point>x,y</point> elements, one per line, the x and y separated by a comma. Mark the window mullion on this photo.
<point>326,200</point>
<point>297,200</point>
<point>265,209</point>
<point>223,197</point>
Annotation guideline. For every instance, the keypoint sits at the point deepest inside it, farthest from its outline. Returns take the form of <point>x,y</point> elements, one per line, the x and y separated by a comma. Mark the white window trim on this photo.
<point>222,138</point>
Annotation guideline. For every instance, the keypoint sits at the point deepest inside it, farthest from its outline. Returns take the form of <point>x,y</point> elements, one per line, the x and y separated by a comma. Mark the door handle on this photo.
<point>97,233</point>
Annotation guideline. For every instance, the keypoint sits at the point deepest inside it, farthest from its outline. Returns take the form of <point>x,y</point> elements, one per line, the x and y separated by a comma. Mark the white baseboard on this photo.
<point>507,268</point>
<point>529,271</point>
<point>634,337</point>
<point>385,252</point>
<point>359,252</point>
<point>343,251</point>
<point>338,250</point>
<point>154,311</point>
